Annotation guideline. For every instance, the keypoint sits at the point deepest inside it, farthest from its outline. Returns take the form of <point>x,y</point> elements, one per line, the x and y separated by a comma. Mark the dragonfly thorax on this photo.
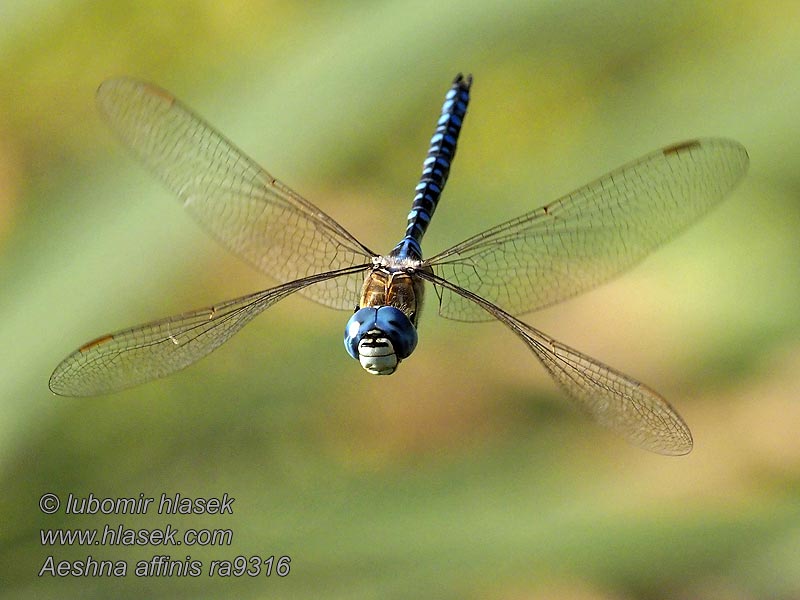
<point>392,282</point>
<point>383,330</point>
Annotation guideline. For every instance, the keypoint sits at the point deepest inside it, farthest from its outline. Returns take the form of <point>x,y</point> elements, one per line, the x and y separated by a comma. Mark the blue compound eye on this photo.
<point>362,321</point>
<point>380,338</point>
<point>397,327</point>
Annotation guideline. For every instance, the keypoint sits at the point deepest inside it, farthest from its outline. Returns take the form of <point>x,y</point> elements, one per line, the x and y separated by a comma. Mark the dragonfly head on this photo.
<point>380,338</point>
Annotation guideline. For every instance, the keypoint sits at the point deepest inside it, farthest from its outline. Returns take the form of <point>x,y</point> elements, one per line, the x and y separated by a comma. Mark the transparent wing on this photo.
<point>589,236</point>
<point>234,199</point>
<point>127,358</point>
<point>611,398</point>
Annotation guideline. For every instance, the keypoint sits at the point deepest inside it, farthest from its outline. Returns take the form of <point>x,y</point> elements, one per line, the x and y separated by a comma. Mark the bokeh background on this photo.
<point>466,474</point>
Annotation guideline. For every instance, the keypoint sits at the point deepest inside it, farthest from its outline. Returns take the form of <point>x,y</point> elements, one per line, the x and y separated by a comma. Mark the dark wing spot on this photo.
<point>101,340</point>
<point>680,147</point>
<point>157,91</point>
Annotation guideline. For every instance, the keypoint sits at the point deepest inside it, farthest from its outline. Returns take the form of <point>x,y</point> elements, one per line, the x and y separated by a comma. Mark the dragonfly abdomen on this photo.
<point>436,167</point>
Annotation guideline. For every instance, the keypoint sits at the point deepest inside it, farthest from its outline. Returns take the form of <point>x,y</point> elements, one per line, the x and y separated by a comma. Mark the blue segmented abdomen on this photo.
<point>436,167</point>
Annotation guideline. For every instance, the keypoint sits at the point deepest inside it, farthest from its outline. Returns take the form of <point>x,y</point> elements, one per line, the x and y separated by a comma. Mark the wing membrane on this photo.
<point>132,356</point>
<point>613,399</point>
<point>591,235</point>
<point>238,202</point>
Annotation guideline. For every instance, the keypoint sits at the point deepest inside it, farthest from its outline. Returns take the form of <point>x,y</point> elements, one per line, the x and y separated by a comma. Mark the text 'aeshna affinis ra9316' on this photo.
<point>533,261</point>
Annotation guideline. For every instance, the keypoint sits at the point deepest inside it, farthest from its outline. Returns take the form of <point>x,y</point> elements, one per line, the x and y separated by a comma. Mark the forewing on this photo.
<point>591,235</point>
<point>240,204</point>
<point>613,399</point>
<point>133,356</point>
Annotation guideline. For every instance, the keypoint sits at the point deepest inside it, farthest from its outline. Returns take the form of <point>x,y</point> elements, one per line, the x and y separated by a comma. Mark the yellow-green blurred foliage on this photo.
<point>466,474</point>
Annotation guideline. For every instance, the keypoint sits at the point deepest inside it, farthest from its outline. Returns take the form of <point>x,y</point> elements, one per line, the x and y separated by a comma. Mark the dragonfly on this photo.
<point>536,260</point>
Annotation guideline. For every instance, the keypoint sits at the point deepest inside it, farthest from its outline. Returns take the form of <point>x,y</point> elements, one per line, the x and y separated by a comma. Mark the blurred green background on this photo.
<point>466,474</point>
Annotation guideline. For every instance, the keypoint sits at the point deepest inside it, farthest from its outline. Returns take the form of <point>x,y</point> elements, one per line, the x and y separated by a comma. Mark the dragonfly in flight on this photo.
<point>538,259</point>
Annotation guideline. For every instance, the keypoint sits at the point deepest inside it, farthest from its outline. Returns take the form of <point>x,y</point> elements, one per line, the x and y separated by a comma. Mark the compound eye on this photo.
<point>357,327</point>
<point>385,330</point>
<point>394,323</point>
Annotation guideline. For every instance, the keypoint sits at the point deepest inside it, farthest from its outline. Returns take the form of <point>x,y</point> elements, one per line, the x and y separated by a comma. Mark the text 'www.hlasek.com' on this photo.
<point>172,542</point>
